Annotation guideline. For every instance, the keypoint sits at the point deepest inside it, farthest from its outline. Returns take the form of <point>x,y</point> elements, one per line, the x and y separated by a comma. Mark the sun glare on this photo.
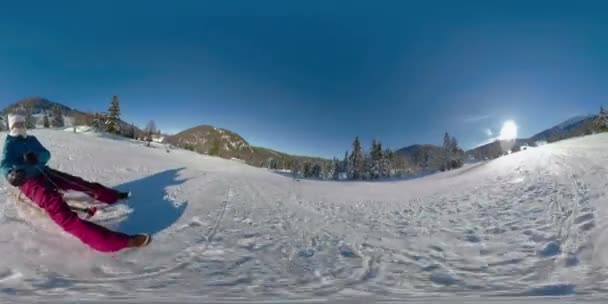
<point>508,131</point>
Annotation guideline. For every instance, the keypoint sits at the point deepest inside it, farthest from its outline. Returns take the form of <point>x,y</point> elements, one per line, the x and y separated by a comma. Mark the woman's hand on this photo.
<point>16,177</point>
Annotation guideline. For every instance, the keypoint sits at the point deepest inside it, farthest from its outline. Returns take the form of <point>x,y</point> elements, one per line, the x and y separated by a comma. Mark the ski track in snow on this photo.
<point>527,224</point>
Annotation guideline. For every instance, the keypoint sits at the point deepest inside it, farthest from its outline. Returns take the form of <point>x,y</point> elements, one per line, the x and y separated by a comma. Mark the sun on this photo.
<point>508,131</point>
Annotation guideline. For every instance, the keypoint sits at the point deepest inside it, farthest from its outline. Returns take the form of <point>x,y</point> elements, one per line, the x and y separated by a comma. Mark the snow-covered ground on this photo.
<point>527,224</point>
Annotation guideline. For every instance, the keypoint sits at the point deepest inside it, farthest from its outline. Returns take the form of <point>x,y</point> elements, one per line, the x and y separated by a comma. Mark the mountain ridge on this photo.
<point>205,139</point>
<point>574,126</point>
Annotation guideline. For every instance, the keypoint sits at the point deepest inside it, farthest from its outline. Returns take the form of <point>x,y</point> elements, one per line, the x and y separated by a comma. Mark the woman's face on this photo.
<point>19,125</point>
<point>18,129</point>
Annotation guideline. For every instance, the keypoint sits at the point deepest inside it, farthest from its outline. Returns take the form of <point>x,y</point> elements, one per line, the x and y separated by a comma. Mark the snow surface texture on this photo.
<point>527,224</point>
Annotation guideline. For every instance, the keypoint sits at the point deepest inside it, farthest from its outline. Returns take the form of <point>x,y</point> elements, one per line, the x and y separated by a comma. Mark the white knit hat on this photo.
<point>13,118</point>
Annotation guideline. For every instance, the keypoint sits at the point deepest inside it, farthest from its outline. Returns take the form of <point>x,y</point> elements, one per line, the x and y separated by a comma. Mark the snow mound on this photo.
<point>80,129</point>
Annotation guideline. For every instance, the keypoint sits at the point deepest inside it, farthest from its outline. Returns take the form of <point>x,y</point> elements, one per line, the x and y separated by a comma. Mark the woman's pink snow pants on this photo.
<point>44,193</point>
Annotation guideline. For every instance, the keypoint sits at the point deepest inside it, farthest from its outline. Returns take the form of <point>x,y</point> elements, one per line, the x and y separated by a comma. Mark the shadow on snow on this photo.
<point>152,211</point>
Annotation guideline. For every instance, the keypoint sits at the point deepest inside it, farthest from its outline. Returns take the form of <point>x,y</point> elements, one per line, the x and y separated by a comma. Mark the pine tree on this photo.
<point>365,167</point>
<point>113,118</point>
<point>57,121</point>
<point>447,152</point>
<point>316,171</point>
<point>370,161</point>
<point>335,173</point>
<point>295,169</point>
<point>453,156</point>
<point>46,123</point>
<point>387,166</point>
<point>447,142</point>
<point>150,130</point>
<point>307,169</point>
<point>288,163</point>
<point>453,145</point>
<point>99,121</point>
<point>356,161</point>
<point>602,120</point>
<point>30,120</point>
<point>325,170</point>
<point>133,131</point>
<point>375,164</point>
<point>588,127</point>
<point>215,149</point>
<point>344,163</point>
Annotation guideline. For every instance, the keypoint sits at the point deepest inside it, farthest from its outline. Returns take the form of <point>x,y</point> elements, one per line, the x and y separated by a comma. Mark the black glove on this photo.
<point>31,158</point>
<point>16,177</point>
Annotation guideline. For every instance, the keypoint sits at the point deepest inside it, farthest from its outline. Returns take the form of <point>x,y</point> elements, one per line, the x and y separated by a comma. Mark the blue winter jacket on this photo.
<point>15,148</point>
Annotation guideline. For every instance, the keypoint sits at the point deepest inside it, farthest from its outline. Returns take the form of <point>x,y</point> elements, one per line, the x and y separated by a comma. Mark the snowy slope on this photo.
<point>528,224</point>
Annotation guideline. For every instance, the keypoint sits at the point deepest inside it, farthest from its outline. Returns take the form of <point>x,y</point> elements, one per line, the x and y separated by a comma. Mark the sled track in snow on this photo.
<point>180,265</point>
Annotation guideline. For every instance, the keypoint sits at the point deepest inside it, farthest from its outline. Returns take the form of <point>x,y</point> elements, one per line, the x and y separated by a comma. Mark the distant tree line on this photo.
<point>378,163</point>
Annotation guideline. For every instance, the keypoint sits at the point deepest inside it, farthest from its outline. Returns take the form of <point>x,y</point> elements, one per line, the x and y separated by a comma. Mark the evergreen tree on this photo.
<point>215,150</point>
<point>307,169</point>
<point>295,169</point>
<point>315,171</point>
<point>387,166</point>
<point>46,123</point>
<point>30,120</point>
<point>344,163</point>
<point>57,121</point>
<point>588,127</point>
<point>336,170</point>
<point>457,154</point>
<point>325,170</point>
<point>150,130</point>
<point>376,160</point>
<point>113,118</point>
<point>447,152</point>
<point>453,156</point>
<point>453,145</point>
<point>356,161</point>
<point>99,122</point>
<point>447,142</point>
<point>288,163</point>
<point>421,158</point>
<point>602,120</point>
<point>365,167</point>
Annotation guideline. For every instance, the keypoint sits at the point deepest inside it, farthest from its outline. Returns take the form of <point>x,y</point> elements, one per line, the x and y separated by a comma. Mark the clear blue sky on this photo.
<point>306,77</point>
